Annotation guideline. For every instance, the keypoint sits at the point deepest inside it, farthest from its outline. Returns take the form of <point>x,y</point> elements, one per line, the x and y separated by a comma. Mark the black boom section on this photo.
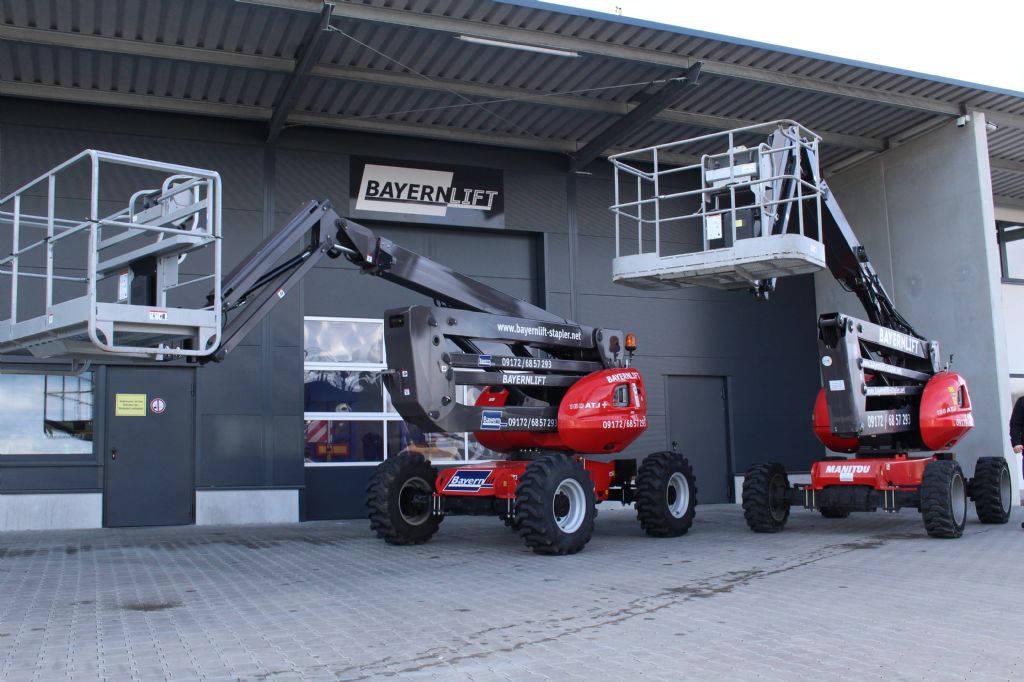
<point>425,371</point>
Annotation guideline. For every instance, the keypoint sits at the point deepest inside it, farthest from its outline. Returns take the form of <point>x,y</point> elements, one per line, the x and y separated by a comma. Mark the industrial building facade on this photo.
<point>291,423</point>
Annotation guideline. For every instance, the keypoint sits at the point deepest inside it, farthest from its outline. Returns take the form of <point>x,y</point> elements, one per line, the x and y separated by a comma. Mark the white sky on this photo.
<point>979,42</point>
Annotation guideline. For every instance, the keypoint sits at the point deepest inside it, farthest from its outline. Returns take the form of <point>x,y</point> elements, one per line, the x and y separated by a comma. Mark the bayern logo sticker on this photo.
<point>468,481</point>
<point>490,420</point>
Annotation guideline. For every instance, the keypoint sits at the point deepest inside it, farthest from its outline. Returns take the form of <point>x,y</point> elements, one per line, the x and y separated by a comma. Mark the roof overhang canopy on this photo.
<point>516,74</point>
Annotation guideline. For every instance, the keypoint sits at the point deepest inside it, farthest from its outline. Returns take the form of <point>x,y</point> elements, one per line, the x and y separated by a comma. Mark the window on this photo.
<point>349,416</point>
<point>46,414</point>
<point>1011,249</point>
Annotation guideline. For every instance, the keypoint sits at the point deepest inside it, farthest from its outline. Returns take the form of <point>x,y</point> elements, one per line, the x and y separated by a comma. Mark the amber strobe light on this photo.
<point>631,343</point>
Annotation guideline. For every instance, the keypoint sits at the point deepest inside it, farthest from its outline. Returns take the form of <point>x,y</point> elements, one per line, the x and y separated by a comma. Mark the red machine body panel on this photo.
<point>601,413</point>
<point>890,473</point>
<point>823,428</point>
<point>500,478</point>
<point>945,414</point>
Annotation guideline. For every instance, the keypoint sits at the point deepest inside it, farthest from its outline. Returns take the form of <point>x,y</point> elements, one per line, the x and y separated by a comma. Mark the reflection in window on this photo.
<point>41,415</point>
<point>330,391</point>
<point>344,441</point>
<point>404,437</point>
<point>355,341</point>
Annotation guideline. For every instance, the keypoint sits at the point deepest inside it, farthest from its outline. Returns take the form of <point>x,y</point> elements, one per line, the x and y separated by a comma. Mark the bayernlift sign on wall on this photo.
<point>438,194</point>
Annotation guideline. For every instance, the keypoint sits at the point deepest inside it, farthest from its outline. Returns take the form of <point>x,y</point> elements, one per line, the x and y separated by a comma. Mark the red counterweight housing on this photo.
<point>944,416</point>
<point>603,412</point>
<point>945,411</point>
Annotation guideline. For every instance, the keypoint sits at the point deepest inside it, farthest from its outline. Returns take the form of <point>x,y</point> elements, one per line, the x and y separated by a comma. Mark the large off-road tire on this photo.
<point>666,495</point>
<point>943,499</point>
<point>834,512</point>
<point>554,506</point>
<point>765,505</point>
<point>991,490</point>
<point>397,500</point>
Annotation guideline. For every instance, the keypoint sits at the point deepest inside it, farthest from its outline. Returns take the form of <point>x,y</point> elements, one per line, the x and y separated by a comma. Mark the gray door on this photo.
<point>697,424</point>
<point>149,448</point>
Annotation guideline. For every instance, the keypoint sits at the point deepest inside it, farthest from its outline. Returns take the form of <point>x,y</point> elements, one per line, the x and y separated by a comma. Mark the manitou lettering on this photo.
<point>847,469</point>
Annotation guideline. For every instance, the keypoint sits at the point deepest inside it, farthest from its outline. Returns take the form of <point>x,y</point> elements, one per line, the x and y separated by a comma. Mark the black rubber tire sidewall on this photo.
<point>651,501</point>
<point>383,500</point>
<point>756,498</point>
<point>534,514</point>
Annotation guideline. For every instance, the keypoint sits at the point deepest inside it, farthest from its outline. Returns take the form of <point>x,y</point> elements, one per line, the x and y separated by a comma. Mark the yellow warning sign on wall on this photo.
<point>129,404</point>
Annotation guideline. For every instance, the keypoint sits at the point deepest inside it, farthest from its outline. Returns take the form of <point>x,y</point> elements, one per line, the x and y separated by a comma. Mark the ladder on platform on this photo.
<point>97,262</point>
<point>728,217</point>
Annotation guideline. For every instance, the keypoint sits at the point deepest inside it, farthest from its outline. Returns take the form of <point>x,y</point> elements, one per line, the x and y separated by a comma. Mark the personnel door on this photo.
<point>698,426</point>
<point>149,447</point>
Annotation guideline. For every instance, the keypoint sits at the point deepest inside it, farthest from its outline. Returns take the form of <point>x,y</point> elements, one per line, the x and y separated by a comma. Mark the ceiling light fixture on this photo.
<point>519,46</point>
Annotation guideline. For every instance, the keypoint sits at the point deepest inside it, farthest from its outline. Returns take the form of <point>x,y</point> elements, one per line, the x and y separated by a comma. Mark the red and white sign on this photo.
<point>157,405</point>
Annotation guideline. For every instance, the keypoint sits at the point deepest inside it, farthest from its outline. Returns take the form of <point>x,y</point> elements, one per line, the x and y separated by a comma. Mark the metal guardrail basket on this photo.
<point>96,261</point>
<point>721,214</point>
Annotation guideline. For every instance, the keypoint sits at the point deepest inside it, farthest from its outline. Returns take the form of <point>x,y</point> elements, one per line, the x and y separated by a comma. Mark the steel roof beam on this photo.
<point>669,95</point>
<point>1006,165</point>
<point>250,112</point>
<point>309,54</point>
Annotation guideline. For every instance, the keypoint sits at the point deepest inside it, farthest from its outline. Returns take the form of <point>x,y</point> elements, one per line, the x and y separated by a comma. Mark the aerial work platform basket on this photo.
<point>97,260</point>
<point>713,212</point>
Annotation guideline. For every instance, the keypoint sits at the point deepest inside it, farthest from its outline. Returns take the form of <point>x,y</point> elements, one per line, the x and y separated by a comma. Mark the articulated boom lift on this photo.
<point>554,394</point>
<point>766,212</point>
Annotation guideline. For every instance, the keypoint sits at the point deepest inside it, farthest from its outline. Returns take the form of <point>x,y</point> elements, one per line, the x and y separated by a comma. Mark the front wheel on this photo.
<point>765,498</point>
<point>666,495</point>
<point>943,499</point>
<point>398,500</point>
<point>991,490</point>
<point>554,507</point>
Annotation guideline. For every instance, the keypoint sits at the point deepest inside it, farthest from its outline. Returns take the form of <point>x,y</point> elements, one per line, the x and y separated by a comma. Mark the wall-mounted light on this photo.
<point>519,46</point>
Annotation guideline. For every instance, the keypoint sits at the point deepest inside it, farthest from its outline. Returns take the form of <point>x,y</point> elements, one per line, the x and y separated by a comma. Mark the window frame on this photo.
<point>85,458</point>
<point>1001,227</point>
<point>384,417</point>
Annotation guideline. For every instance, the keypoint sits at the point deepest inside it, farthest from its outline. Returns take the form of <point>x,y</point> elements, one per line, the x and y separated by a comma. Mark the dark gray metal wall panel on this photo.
<point>285,460</point>
<point>301,175</point>
<point>51,478</point>
<point>336,492</point>
<point>285,380</point>
<point>232,386</point>
<point>231,451</point>
<point>536,201</point>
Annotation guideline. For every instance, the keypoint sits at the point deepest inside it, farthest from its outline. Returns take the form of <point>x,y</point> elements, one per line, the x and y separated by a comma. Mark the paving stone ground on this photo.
<point>869,597</point>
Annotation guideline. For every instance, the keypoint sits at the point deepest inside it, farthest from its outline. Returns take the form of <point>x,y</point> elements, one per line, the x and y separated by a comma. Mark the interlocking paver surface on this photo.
<point>869,597</point>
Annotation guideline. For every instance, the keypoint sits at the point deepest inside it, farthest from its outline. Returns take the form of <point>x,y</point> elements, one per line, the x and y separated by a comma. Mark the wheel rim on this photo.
<point>958,499</point>
<point>776,496</point>
<point>677,495</point>
<point>569,505</point>
<point>1005,489</point>
<point>413,513</point>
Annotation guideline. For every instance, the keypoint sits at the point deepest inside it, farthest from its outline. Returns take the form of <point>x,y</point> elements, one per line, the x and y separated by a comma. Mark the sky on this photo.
<point>978,42</point>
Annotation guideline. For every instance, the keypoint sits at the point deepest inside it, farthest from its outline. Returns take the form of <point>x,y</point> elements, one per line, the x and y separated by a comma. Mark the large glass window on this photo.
<point>46,414</point>
<point>1011,249</point>
<point>349,417</point>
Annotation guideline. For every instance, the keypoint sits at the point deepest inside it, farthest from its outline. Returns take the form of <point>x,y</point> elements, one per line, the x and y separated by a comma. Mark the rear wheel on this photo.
<point>991,490</point>
<point>398,500</point>
<point>666,495</point>
<point>554,507</point>
<point>943,499</point>
<point>765,501</point>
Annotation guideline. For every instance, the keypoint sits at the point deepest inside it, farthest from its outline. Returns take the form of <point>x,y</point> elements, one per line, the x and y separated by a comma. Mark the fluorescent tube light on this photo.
<point>519,46</point>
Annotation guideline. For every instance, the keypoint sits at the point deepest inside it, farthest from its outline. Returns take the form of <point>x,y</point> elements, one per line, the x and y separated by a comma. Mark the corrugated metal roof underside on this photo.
<point>413,80</point>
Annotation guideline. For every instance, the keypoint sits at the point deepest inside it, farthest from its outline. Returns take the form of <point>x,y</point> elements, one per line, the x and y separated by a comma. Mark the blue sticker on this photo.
<point>490,420</point>
<point>484,361</point>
